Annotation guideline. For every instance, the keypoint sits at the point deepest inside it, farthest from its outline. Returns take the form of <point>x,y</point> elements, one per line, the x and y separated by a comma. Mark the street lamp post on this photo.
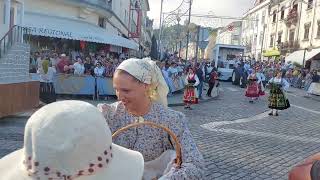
<point>188,32</point>
<point>304,56</point>
<point>179,19</point>
<point>160,31</point>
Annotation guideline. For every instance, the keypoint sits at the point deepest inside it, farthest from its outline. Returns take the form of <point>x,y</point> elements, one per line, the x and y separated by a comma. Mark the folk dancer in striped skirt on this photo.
<point>277,99</point>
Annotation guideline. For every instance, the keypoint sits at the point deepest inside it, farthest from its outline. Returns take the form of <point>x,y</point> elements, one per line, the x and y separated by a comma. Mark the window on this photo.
<point>274,18</point>
<point>125,16</point>
<point>295,6</point>
<point>306,31</point>
<point>102,22</point>
<point>291,35</point>
<point>257,20</point>
<point>282,13</point>
<point>318,29</point>
<point>271,40</point>
<point>279,37</point>
<point>263,17</point>
<point>310,4</point>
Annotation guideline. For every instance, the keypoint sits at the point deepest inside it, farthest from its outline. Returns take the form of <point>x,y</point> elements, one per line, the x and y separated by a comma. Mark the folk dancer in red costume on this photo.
<point>190,93</point>
<point>252,91</point>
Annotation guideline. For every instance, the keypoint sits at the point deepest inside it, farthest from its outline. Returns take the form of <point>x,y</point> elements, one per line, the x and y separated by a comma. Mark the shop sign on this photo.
<point>50,32</point>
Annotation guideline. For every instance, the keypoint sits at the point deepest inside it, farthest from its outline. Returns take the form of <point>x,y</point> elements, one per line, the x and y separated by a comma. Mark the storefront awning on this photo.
<point>297,56</point>
<point>58,27</point>
<point>271,52</point>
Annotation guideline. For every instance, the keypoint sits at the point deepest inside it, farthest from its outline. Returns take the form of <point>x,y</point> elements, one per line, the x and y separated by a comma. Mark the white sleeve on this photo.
<point>197,80</point>
<point>285,84</point>
<point>259,78</point>
<point>271,80</point>
<point>263,77</point>
<point>186,80</point>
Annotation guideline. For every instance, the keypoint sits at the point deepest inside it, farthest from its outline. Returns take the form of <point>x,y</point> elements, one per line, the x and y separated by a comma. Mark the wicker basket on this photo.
<point>178,160</point>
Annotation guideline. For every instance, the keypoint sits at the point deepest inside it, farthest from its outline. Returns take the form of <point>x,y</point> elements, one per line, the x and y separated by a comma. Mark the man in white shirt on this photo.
<point>78,67</point>
<point>99,70</point>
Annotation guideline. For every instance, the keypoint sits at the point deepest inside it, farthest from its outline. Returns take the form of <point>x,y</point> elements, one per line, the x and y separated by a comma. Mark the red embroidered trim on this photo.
<point>34,169</point>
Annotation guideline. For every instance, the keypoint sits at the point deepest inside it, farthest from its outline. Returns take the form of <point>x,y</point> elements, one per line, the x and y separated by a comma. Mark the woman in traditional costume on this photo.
<point>190,93</point>
<point>277,99</point>
<point>142,93</point>
<point>261,79</point>
<point>252,91</point>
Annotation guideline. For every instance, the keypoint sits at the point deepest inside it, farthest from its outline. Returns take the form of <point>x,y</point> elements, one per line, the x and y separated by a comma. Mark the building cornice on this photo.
<point>257,8</point>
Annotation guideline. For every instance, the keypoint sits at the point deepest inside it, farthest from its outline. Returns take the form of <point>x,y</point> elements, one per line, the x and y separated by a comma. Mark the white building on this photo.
<point>11,13</point>
<point>254,28</point>
<point>231,34</point>
<point>291,26</point>
<point>101,21</point>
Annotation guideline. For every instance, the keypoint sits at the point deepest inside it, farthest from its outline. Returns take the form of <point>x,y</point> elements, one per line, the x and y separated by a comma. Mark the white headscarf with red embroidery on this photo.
<point>147,71</point>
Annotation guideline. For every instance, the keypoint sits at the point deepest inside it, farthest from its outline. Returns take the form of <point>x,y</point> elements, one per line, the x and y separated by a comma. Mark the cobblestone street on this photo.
<point>238,139</point>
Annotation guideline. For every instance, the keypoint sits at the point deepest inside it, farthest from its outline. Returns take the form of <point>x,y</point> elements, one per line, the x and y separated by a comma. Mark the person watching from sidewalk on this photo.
<point>213,80</point>
<point>142,93</point>
<point>78,67</point>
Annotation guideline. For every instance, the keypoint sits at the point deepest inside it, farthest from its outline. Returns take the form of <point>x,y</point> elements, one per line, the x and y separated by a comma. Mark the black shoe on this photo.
<point>250,101</point>
<point>277,114</point>
<point>186,107</point>
<point>270,114</point>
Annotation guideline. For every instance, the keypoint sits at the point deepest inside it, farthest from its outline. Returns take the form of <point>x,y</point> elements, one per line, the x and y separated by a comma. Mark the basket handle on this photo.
<point>178,160</point>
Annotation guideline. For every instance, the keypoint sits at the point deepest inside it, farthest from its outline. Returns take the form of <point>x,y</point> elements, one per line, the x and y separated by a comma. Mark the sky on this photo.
<point>234,8</point>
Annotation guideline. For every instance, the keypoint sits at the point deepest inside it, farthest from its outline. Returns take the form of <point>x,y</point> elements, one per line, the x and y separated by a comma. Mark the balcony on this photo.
<point>290,46</point>
<point>292,17</point>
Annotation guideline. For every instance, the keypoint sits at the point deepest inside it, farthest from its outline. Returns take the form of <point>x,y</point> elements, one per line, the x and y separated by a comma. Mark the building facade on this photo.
<point>121,24</point>
<point>254,29</point>
<point>230,34</point>
<point>288,26</point>
<point>11,13</point>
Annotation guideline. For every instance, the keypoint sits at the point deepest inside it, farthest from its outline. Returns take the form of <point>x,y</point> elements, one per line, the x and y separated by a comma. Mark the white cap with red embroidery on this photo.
<point>70,140</point>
